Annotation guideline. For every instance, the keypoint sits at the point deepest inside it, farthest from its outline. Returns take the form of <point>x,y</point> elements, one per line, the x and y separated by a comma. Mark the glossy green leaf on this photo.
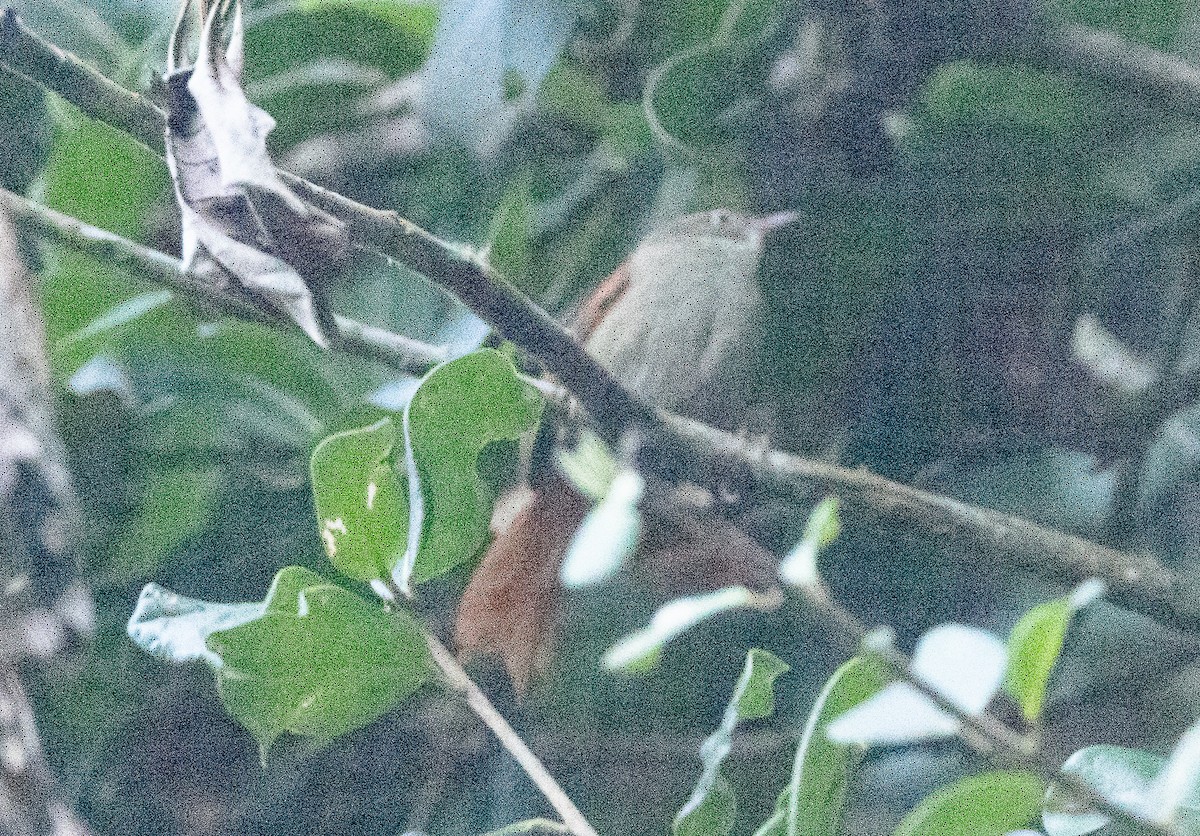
<point>362,508</point>
<point>175,505</point>
<point>1033,649</point>
<point>991,804</point>
<point>459,408</point>
<point>607,536</point>
<point>813,801</point>
<point>105,178</point>
<point>641,650</point>
<point>711,809</point>
<point>1134,779</point>
<point>964,664</point>
<point>1176,798</point>
<point>511,236</point>
<point>320,662</point>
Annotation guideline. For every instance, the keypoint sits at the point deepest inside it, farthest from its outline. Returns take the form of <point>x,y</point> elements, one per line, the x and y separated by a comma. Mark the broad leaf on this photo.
<point>642,649</point>
<point>1142,782</point>
<point>711,809</point>
<point>312,659</point>
<point>991,804</point>
<point>1033,649</point>
<point>812,803</point>
<point>608,535</point>
<point>459,408</point>
<point>320,662</point>
<point>965,665</point>
<point>362,508</point>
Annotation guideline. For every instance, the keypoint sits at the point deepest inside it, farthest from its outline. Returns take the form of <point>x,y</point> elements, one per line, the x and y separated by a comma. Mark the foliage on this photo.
<point>988,230</point>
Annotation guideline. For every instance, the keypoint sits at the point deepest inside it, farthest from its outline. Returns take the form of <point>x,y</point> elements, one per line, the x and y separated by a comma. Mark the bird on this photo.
<point>680,324</point>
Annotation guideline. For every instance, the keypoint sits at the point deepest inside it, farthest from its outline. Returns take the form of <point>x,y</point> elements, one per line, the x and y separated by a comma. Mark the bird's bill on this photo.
<point>768,223</point>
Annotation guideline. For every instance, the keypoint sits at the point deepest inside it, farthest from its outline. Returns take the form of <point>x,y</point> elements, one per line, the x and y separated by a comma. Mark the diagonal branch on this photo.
<point>513,315</point>
<point>1135,580</point>
<point>361,339</point>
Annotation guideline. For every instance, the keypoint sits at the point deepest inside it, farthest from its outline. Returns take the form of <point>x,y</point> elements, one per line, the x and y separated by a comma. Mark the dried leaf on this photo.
<point>243,228</point>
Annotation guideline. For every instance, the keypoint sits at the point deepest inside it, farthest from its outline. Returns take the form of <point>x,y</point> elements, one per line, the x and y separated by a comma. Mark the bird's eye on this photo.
<point>718,218</point>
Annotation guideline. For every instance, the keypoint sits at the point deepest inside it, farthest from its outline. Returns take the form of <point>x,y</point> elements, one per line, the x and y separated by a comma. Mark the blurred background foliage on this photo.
<point>966,194</point>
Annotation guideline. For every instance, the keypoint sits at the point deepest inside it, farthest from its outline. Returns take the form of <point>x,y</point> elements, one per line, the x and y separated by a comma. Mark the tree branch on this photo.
<point>361,339</point>
<point>491,297</point>
<point>478,702</point>
<point>1135,580</point>
<point>1139,69</point>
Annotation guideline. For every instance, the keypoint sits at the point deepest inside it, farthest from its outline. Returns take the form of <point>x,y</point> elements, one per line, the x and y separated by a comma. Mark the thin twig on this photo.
<point>543,826</point>
<point>488,295</point>
<point>1142,70</point>
<point>361,339</point>
<point>478,702</point>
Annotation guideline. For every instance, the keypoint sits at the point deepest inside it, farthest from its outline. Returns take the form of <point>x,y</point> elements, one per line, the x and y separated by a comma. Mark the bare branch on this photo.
<point>361,339</point>
<point>478,702</point>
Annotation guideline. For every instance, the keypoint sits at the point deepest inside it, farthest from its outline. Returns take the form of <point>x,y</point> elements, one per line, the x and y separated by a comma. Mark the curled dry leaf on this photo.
<point>243,229</point>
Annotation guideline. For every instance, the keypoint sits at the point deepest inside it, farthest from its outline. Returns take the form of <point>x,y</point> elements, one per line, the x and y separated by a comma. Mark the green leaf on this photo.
<point>607,536</point>
<point>459,408</point>
<point>1139,781</point>
<point>510,238</point>
<point>176,504</point>
<point>1033,649</point>
<point>105,178</point>
<point>799,568</point>
<point>320,662</point>
<point>990,804</point>
<point>812,803</point>
<point>966,665</point>
<point>362,509</point>
<point>711,809</point>
<point>312,658</point>
<point>641,650</point>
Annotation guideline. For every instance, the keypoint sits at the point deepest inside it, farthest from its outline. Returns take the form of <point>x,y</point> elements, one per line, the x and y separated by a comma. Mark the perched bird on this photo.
<point>680,323</point>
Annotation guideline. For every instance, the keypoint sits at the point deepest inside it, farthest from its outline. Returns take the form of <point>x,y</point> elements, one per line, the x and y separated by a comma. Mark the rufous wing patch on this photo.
<point>511,605</point>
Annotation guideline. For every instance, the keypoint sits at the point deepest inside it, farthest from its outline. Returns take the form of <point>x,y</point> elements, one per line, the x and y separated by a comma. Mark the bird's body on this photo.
<point>683,328</point>
<point>679,323</point>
